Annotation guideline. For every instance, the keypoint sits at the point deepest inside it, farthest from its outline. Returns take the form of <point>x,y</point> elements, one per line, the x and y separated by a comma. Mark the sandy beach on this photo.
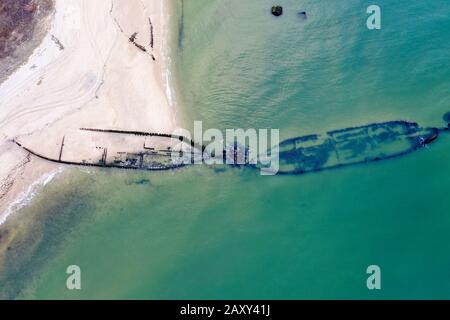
<point>86,73</point>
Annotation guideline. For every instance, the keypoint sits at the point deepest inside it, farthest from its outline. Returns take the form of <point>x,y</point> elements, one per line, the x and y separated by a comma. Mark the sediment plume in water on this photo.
<point>23,25</point>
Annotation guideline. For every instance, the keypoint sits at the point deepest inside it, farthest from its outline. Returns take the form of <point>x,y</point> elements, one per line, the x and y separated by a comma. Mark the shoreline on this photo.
<point>109,83</point>
<point>24,27</point>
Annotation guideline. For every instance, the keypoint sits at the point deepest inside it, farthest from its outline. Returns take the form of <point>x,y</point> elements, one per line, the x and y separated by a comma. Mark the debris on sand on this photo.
<point>58,43</point>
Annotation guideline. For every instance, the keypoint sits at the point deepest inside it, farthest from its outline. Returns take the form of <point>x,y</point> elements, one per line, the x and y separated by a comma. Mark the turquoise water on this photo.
<point>198,233</point>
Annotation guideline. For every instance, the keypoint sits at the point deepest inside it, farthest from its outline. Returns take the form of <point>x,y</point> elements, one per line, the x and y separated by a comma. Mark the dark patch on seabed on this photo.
<point>139,182</point>
<point>23,24</point>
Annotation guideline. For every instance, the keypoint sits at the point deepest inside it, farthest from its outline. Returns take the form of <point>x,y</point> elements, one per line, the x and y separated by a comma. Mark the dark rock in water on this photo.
<point>446,118</point>
<point>277,11</point>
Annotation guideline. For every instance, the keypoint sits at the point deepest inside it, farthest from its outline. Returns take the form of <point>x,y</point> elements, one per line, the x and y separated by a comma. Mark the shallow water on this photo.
<point>198,233</point>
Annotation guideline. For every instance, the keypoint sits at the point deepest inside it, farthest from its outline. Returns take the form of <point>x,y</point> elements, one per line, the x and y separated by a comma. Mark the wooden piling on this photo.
<point>61,150</point>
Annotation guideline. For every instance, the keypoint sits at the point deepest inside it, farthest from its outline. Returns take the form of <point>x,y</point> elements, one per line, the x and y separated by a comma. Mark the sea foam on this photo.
<point>24,198</point>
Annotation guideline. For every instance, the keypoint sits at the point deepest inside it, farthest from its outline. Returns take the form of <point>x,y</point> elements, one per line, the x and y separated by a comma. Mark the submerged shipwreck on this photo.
<point>350,146</point>
<point>311,153</point>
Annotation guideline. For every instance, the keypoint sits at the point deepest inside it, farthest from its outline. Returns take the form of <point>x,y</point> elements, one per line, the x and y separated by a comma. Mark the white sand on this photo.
<point>100,79</point>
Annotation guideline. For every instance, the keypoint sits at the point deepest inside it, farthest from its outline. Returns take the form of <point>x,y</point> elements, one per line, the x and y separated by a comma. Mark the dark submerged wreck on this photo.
<point>299,155</point>
<point>351,146</point>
